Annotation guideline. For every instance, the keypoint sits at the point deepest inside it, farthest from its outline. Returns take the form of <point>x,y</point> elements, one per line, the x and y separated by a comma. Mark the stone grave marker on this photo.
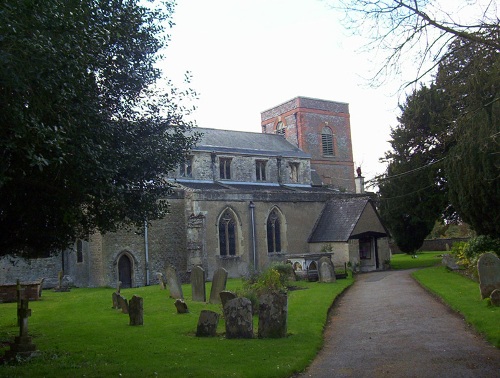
<point>123,304</point>
<point>61,286</point>
<point>114,297</point>
<point>160,280</point>
<point>118,286</point>
<point>273,315</point>
<point>198,284</point>
<point>495,297</point>
<point>450,262</point>
<point>136,310</point>
<point>218,285</point>
<point>173,283</point>
<point>181,306</point>
<point>226,296</point>
<point>488,267</point>
<point>22,345</point>
<point>326,270</point>
<point>207,323</point>
<point>239,318</point>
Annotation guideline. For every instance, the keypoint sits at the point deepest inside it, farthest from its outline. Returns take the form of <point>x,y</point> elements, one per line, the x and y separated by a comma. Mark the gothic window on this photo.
<point>227,234</point>
<point>260,170</point>
<point>79,251</point>
<point>327,141</point>
<point>280,128</point>
<point>273,232</point>
<point>225,168</point>
<point>186,167</point>
<point>294,172</point>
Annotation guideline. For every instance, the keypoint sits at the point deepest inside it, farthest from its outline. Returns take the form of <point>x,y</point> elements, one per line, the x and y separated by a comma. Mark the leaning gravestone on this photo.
<point>218,285</point>
<point>198,290</point>
<point>123,304</point>
<point>114,297</point>
<point>326,271</point>
<point>173,283</point>
<point>488,267</point>
<point>226,296</point>
<point>181,306</point>
<point>160,281</point>
<point>239,318</point>
<point>495,297</point>
<point>136,311</point>
<point>207,323</point>
<point>273,315</point>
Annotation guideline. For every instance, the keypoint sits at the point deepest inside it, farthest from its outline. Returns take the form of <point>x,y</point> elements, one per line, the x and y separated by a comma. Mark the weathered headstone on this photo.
<point>174,283</point>
<point>123,304</point>
<point>218,285</point>
<point>488,267</point>
<point>226,296</point>
<point>198,284</point>
<point>239,319</point>
<point>22,345</point>
<point>136,310</point>
<point>450,262</point>
<point>273,315</point>
<point>160,280</point>
<point>62,286</point>
<point>114,297</point>
<point>207,323</point>
<point>181,306</point>
<point>495,297</point>
<point>326,270</point>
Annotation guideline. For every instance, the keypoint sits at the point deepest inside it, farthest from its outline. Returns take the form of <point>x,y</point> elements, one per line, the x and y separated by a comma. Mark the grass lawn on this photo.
<point>462,295</point>
<point>423,260</point>
<point>78,334</point>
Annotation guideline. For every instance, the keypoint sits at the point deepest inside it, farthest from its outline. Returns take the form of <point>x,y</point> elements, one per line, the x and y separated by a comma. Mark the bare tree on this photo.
<point>419,31</point>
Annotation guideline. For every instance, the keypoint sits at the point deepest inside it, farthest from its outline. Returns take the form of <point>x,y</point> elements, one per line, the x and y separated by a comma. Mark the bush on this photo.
<point>467,253</point>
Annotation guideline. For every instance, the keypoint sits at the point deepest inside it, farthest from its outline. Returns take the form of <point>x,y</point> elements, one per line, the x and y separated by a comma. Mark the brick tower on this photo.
<point>322,129</point>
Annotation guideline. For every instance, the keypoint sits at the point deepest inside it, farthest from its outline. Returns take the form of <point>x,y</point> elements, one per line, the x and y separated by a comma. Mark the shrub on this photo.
<point>467,253</point>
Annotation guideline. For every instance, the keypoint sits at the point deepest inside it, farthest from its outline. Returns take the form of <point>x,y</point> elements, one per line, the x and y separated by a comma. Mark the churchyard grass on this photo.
<point>78,334</point>
<point>423,260</point>
<point>462,295</point>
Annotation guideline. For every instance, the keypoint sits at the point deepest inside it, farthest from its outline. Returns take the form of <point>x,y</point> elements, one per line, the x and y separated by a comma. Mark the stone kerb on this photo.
<point>218,284</point>
<point>326,271</point>
<point>174,283</point>
<point>273,315</point>
<point>488,267</point>
<point>239,319</point>
<point>198,290</point>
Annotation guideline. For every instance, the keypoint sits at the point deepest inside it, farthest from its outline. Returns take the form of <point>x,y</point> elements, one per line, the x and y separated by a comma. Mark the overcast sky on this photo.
<point>247,56</point>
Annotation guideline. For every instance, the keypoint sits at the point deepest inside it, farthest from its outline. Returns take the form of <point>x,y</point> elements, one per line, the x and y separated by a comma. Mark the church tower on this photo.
<point>322,129</point>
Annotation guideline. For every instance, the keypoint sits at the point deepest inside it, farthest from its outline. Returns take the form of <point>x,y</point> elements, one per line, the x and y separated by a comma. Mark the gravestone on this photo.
<point>22,345</point>
<point>61,286</point>
<point>239,319</point>
<point>160,281</point>
<point>118,286</point>
<point>207,323</point>
<point>198,284</point>
<point>218,285</point>
<point>181,306</point>
<point>495,297</point>
<point>136,310</point>
<point>173,283</point>
<point>488,267</point>
<point>123,304</point>
<point>226,296</point>
<point>450,262</point>
<point>326,270</point>
<point>273,315</point>
<point>114,297</point>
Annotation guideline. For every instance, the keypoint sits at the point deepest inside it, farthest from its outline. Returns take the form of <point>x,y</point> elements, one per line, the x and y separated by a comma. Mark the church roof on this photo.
<point>345,218</point>
<point>243,142</point>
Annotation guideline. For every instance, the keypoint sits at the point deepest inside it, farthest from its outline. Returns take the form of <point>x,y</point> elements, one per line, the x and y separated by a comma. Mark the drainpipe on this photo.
<point>251,205</point>
<point>146,248</point>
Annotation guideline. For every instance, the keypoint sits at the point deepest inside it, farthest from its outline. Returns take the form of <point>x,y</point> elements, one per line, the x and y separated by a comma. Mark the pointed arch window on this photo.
<point>273,232</point>
<point>227,234</point>
<point>327,141</point>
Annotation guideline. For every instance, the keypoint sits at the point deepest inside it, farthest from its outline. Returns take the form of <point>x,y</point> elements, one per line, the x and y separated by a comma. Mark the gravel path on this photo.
<point>386,325</point>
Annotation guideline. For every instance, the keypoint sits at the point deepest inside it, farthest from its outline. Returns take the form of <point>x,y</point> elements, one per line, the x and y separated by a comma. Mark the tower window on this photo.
<point>327,141</point>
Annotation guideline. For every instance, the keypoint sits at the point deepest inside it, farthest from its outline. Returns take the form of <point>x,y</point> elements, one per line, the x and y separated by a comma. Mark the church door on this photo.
<point>125,271</point>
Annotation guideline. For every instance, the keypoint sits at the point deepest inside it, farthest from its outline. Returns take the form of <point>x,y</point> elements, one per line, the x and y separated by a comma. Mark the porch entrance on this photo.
<point>125,271</point>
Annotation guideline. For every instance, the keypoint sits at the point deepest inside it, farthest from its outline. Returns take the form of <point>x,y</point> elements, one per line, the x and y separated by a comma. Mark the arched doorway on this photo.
<point>125,271</point>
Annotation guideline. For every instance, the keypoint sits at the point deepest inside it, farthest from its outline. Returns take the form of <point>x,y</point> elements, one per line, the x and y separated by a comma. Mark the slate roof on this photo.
<point>242,142</point>
<point>338,219</point>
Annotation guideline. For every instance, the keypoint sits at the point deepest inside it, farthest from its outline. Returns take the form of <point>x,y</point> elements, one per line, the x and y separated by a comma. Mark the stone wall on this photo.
<point>29,270</point>
<point>432,244</point>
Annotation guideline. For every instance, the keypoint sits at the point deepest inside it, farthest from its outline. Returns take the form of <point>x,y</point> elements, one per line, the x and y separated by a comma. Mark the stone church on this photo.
<point>243,200</point>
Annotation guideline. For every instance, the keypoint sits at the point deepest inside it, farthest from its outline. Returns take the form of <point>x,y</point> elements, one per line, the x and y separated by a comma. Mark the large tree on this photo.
<point>85,139</point>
